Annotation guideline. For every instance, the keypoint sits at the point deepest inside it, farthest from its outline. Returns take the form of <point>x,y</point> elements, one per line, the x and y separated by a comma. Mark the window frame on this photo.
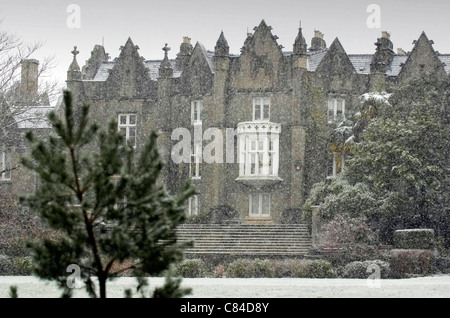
<point>127,126</point>
<point>334,101</point>
<point>262,108</point>
<point>196,162</point>
<point>196,108</point>
<point>261,198</point>
<point>335,166</point>
<point>5,171</point>
<point>193,205</point>
<point>259,162</point>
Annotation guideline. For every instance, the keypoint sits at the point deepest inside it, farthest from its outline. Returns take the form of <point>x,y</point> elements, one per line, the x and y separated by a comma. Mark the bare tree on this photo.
<point>16,98</point>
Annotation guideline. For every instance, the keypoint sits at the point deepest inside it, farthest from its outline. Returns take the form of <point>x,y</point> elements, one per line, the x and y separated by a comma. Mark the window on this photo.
<point>336,110</point>
<point>259,204</point>
<point>193,207</point>
<point>261,108</point>
<point>5,166</point>
<point>259,155</point>
<point>196,111</point>
<point>127,125</point>
<point>196,163</point>
<point>335,165</point>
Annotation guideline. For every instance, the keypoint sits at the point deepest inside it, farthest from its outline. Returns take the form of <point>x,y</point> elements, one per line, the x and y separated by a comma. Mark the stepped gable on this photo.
<point>129,78</point>
<point>423,58</point>
<point>261,61</point>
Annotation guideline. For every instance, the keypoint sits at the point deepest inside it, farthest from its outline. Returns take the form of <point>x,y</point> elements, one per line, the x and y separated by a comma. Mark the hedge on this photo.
<point>421,239</point>
<point>366,269</point>
<point>299,268</point>
<point>405,262</point>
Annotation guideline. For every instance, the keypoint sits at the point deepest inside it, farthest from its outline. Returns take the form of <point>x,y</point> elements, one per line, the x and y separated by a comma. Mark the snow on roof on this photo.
<point>445,58</point>
<point>361,62</point>
<point>32,116</point>
<point>396,65</point>
<point>314,59</point>
<point>103,71</point>
<point>152,66</point>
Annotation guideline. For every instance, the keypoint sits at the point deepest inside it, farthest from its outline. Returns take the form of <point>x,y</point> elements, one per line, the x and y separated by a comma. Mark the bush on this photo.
<point>263,268</point>
<point>243,268</point>
<point>347,239</point>
<point>363,269</point>
<point>201,218</point>
<point>23,266</point>
<point>311,269</point>
<point>20,266</point>
<point>421,239</point>
<point>300,268</point>
<point>191,268</point>
<point>219,271</point>
<point>281,268</point>
<point>418,262</point>
<point>223,214</point>
<point>6,265</point>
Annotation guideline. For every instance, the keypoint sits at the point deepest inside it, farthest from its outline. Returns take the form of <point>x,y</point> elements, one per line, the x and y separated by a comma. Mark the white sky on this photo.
<point>150,24</point>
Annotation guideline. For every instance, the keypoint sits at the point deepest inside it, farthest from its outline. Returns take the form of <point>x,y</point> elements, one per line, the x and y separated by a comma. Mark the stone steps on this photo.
<point>250,240</point>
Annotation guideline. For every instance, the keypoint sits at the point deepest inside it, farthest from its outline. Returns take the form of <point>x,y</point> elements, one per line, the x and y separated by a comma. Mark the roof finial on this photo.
<point>166,49</point>
<point>75,52</point>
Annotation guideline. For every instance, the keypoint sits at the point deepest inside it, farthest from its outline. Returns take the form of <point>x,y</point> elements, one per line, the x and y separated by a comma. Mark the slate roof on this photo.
<point>361,63</point>
<point>34,117</point>
<point>445,58</point>
<point>314,59</point>
<point>152,66</point>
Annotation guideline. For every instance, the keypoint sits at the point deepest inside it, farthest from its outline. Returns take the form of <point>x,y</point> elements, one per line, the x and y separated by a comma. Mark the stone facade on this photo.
<point>281,105</point>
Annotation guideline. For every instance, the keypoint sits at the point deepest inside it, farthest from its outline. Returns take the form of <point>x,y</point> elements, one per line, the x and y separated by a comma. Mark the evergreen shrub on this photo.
<point>191,268</point>
<point>411,262</point>
<point>421,239</point>
<point>365,269</point>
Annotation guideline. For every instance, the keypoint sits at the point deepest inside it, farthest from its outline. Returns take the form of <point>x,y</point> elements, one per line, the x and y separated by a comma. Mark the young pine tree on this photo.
<point>106,204</point>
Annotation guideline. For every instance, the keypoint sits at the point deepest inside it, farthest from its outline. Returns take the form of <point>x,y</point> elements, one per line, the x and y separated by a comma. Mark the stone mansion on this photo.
<point>278,107</point>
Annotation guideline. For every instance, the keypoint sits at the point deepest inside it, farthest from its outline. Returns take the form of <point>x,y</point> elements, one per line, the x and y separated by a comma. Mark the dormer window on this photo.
<point>336,110</point>
<point>261,108</point>
<point>196,111</point>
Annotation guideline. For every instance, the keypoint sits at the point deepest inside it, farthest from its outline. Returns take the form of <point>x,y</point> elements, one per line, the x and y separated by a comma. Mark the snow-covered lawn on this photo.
<point>423,287</point>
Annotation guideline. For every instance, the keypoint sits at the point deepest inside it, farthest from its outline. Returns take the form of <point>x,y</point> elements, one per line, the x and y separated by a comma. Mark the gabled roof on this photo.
<point>336,49</point>
<point>314,59</point>
<point>33,117</point>
<point>208,56</point>
<point>153,66</point>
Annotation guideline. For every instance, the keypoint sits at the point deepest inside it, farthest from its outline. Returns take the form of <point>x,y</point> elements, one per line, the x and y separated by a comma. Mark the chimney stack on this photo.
<point>29,79</point>
<point>317,42</point>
